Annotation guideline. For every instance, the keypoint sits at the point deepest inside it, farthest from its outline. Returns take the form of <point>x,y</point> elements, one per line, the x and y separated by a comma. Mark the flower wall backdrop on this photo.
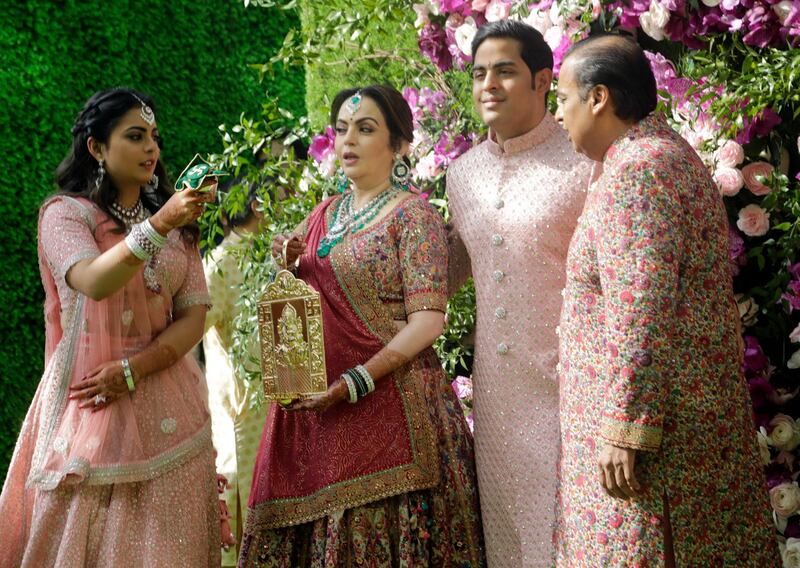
<point>728,73</point>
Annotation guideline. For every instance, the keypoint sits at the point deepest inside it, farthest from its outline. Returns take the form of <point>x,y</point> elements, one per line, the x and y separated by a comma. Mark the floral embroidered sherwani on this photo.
<point>650,359</point>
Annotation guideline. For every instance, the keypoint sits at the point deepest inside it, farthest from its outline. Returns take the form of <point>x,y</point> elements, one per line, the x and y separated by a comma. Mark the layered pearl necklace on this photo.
<point>346,219</point>
<point>130,216</point>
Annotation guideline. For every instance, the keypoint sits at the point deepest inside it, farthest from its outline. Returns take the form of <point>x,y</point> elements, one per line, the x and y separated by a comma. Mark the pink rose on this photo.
<point>753,221</point>
<point>497,10</point>
<point>730,154</point>
<point>479,5</point>
<point>750,171</point>
<point>463,388</point>
<point>785,499</point>
<point>729,181</point>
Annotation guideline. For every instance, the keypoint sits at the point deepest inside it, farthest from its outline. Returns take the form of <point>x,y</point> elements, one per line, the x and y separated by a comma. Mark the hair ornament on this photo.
<point>352,104</point>
<point>146,112</point>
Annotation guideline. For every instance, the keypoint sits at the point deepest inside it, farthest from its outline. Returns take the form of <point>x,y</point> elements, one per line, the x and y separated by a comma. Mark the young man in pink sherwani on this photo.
<point>514,201</point>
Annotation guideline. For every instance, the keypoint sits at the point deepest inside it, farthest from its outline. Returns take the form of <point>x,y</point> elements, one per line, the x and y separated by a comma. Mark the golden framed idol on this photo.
<point>292,347</point>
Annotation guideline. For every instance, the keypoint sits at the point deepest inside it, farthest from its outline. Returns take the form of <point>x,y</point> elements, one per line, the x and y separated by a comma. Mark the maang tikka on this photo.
<point>146,112</point>
<point>352,104</point>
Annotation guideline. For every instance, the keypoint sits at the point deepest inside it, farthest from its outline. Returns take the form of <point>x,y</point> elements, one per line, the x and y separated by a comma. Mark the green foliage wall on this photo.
<point>192,57</point>
<point>390,59</point>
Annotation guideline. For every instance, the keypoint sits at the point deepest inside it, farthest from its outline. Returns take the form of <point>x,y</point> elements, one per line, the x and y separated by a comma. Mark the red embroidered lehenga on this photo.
<point>390,480</point>
<point>134,483</point>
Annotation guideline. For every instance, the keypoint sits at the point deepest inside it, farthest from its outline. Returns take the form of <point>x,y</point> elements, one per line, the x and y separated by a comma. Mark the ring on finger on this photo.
<point>99,399</point>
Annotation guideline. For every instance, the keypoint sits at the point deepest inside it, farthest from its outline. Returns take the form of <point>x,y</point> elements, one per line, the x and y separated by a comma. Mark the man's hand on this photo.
<point>617,472</point>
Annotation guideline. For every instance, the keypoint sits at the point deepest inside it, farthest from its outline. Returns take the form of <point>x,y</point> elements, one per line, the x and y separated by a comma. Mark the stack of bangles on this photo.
<point>144,241</point>
<point>126,370</point>
<point>359,382</point>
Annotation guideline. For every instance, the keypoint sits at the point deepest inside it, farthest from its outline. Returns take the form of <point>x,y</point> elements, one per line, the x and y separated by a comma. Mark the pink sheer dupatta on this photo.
<point>160,425</point>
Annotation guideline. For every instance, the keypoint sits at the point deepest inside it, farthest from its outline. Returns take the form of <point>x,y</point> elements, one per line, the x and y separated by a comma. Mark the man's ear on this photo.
<point>599,98</point>
<point>542,80</point>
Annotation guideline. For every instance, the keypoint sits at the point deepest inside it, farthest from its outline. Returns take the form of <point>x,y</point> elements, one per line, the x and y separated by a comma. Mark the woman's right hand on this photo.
<point>183,208</point>
<point>294,249</point>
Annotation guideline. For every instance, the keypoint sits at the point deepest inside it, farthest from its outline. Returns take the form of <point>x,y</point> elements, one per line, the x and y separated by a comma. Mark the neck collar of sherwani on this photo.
<point>534,137</point>
<point>650,124</point>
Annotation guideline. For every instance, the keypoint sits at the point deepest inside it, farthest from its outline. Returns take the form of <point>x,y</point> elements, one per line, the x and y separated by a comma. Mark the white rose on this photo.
<point>763,446</point>
<point>654,20</point>
<point>433,6</point>
<point>785,435</point>
<point>423,14</point>
<point>794,360</point>
<point>553,37</point>
<point>659,14</point>
<point>785,499</point>
<point>497,10</point>
<point>782,10</point>
<point>790,553</point>
<point>327,167</point>
<point>426,167</point>
<point>711,3</point>
<point>540,21</point>
<point>464,34</point>
<point>555,15</point>
<point>748,310</point>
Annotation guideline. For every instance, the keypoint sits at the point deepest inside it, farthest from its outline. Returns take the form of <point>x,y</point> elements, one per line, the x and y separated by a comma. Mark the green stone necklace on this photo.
<point>345,219</point>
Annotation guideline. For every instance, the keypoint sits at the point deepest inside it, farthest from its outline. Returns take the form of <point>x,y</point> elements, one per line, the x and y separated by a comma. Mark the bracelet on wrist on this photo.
<point>135,247</point>
<point>359,382</point>
<point>128,373</point>
<point>351,388</point>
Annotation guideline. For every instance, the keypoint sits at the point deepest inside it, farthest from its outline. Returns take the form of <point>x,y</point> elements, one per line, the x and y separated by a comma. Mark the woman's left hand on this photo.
<point>101,387</point>
<point>336,393</point>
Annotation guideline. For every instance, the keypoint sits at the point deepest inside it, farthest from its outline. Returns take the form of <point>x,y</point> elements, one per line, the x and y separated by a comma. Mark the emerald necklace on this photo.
<point>345,219</point>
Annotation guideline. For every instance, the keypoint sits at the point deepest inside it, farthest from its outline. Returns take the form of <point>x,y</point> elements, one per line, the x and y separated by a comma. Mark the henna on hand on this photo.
<point>155,357</point>
<point>384,362</point>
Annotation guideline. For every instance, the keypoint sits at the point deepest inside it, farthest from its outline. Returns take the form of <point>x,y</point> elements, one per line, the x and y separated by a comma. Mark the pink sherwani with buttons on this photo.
<point>514,208</point>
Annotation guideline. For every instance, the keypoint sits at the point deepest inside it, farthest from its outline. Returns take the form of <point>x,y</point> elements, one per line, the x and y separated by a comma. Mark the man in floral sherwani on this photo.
<point>659,460</point>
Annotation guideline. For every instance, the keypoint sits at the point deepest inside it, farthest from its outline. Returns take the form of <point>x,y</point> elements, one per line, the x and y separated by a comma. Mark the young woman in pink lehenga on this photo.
<point>114,464</point>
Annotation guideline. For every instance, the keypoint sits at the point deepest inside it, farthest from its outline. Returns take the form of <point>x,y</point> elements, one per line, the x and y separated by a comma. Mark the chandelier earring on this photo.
<point>401,173</point>
<point>101,172</point>
<point>152,185</point>
<point>342,182</point>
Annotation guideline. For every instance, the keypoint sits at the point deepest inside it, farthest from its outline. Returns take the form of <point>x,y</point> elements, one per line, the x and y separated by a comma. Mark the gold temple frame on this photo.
<point>292,346</point>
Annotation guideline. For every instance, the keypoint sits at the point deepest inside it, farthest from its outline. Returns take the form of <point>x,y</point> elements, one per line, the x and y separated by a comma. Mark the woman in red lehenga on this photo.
<point>114,464</point>
<point>388,480</point>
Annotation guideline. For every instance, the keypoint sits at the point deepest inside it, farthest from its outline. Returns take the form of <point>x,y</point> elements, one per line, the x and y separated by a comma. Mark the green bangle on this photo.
<point>126,370</point>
